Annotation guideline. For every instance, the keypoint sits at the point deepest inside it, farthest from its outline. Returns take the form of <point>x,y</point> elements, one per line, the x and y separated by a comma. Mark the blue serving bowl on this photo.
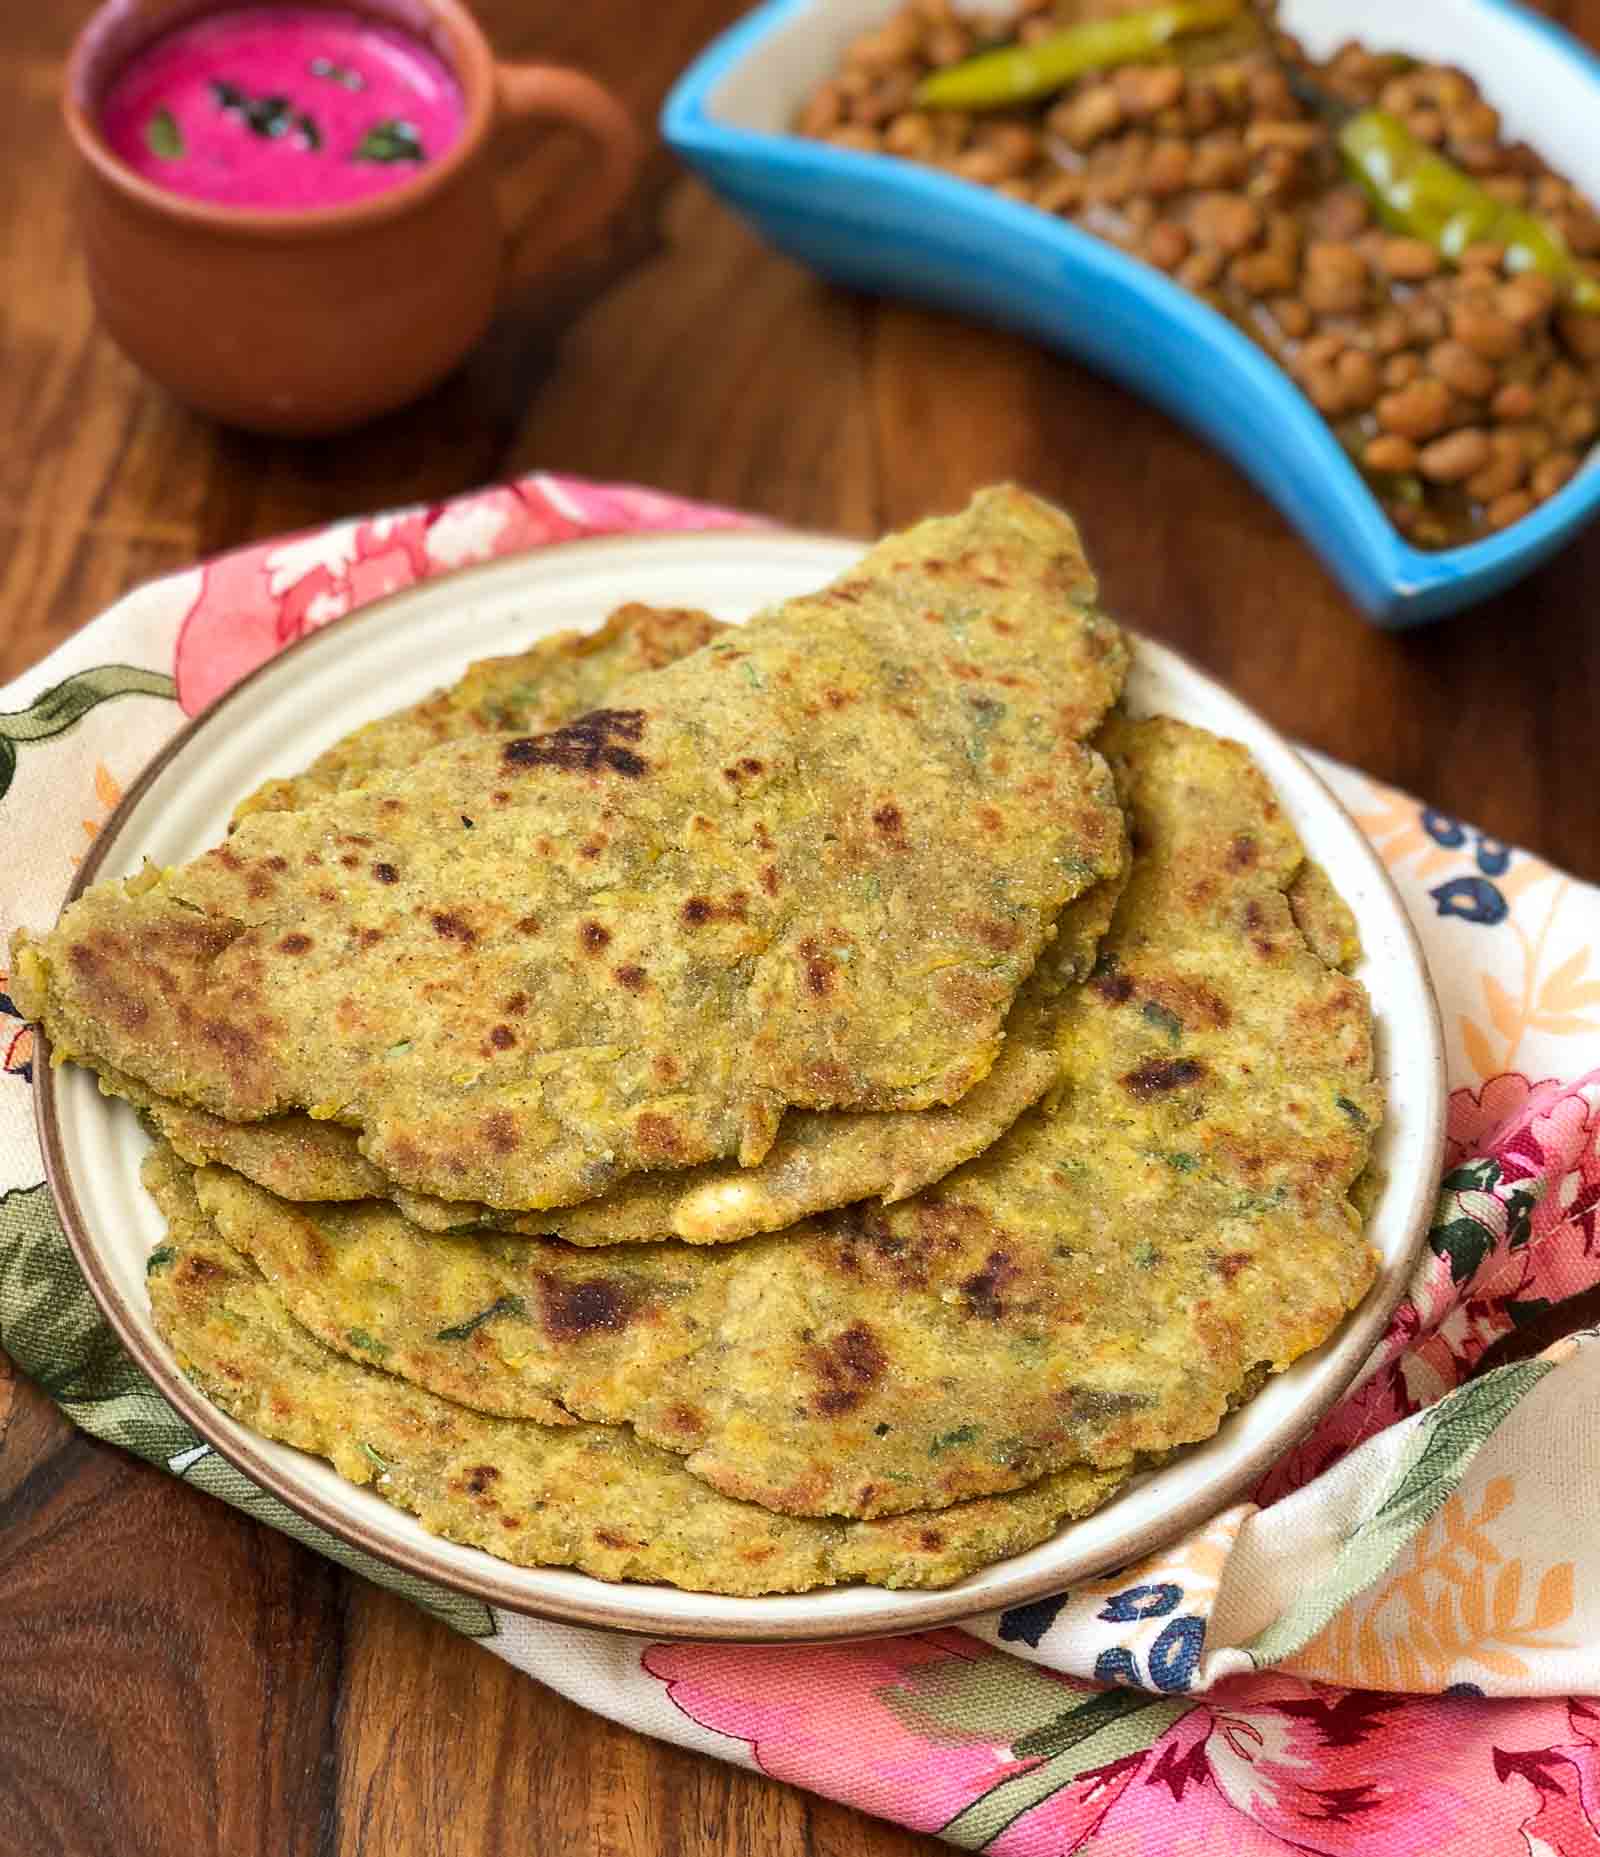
<point>881,224</point>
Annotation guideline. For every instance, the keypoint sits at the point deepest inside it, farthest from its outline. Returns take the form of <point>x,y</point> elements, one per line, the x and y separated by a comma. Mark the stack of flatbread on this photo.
<point>749,1107</point>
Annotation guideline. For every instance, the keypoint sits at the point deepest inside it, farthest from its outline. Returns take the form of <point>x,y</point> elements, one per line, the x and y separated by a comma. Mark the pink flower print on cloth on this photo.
<point>253,602</point>
<point>947,1737</point>
<point>1514,1231</point>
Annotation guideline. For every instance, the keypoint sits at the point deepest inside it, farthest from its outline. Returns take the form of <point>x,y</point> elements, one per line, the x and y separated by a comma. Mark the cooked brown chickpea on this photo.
<point>1505,510</point>
<point>1552,472</point>
<point>1419,411</point>
<point>1225,222</point>
<point>1167,245</point>
<point>1450,460</point>
<point>1390,452</point>
<point>1461,370</point>
<point>1485,331</point>
<point>1409,259</point>
<point>1336,277</point>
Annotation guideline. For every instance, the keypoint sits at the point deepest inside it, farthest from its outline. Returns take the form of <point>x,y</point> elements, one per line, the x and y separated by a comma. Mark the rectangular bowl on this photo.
<point>877,223</point>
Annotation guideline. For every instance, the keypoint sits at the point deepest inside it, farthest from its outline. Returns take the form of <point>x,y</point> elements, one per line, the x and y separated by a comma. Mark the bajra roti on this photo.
<point>810,865</point>
<point>585,1496</point>
<point>1097,1288</point>
<point>820,1160</point>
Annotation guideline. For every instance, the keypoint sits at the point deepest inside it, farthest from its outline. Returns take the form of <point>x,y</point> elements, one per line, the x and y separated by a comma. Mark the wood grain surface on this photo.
<point>174,1678</point>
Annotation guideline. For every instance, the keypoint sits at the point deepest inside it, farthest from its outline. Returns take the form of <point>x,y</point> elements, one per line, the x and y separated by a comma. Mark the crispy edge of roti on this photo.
<point>586,1496</point>
<point>1323,916</point>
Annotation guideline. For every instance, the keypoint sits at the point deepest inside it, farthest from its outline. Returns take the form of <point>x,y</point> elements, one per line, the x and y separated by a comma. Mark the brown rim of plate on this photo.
<point>499,1583</point>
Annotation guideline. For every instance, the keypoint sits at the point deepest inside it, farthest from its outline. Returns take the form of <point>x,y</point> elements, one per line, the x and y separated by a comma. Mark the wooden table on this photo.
<point>175,1678</point>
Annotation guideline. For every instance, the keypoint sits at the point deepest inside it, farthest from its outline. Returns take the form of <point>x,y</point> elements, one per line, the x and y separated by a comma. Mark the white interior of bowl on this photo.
<point>1546,96</point>
<point>397,651</point>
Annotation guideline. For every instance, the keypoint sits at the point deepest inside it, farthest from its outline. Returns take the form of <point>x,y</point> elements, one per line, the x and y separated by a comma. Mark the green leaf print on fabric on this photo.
<point>54,711</point>
<point>1445,1442</point>
<point>957,1700</point>
<point>49,1324</point>
<point>54,1332</point>
<point>1103,1727</point>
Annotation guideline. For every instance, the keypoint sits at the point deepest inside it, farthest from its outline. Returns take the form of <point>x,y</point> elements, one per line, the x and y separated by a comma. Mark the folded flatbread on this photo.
<point>808,865</point>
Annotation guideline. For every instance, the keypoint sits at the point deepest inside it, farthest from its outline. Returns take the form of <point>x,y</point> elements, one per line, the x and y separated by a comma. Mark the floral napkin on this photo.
<point>1386,1649</point>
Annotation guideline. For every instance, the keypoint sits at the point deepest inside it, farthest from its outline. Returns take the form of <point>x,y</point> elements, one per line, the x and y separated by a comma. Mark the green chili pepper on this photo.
<point>1019,73</point>
<point>1418,193</point>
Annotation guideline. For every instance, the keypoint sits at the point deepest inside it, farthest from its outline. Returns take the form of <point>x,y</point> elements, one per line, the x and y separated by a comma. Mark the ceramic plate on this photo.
<point>877,223</point>
<point>397,650</point>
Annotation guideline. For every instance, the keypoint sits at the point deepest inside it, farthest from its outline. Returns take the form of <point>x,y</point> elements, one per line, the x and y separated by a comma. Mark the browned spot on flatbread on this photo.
<point>990,930</point>
<point>478,1479</point>
<point>569,1310</point>
<point>594,936</point>
<point>592,742</point>
<point>699,910</point>
<point>656,1134</point>
<point>453,927</point>
<point>1113,987</point>
<point>294,943</point>
<point>984,1289</point>
<point>1157,1075</point>
<point>385,873</point>
<point>688,1421</point>
<point>500,1132</point>
<point>631,976</point>
<point>195,1269</point>
<point>1191,1000</point>
<point>847,1367</point>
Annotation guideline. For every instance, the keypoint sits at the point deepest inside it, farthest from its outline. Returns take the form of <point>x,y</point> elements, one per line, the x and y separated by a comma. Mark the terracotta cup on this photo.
<point>310,322</point>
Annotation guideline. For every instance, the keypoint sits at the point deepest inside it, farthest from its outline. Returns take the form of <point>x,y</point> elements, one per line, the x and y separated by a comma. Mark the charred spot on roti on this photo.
<point>846,1368</point>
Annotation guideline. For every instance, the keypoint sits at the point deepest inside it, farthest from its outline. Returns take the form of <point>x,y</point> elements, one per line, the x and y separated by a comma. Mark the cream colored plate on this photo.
<point>400,648</point>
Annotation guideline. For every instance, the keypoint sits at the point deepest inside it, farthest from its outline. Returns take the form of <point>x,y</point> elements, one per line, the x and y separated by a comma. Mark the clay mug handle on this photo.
<point>535,92</point>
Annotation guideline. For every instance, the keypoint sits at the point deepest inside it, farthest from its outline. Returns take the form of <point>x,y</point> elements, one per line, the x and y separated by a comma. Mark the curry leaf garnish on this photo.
<point>163,136</point>
<point>394,139</point>
<point>340,74</point>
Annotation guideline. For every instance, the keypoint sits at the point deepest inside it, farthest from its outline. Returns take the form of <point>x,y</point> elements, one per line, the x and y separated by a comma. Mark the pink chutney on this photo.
<point>283,108</point>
